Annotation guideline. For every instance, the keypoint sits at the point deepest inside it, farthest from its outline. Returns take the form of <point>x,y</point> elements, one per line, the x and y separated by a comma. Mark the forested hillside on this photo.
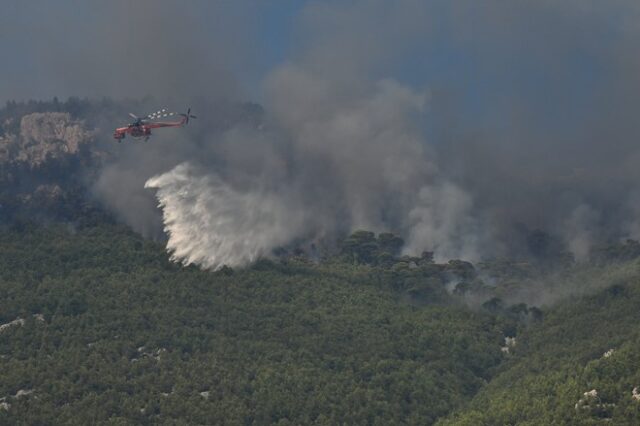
<point>99,327</point>
<point>578,367</point>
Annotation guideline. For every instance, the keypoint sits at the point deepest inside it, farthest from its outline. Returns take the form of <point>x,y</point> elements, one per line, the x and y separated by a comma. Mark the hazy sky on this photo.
<point>488,53</point>
<point>116,48</point>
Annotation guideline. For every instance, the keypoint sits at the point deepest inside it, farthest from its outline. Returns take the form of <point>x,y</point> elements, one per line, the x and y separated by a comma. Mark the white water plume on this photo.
<point>211,224</point>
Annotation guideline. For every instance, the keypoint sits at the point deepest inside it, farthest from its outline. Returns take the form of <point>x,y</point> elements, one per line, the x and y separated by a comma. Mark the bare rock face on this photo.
<point>44,136</point>
<point>45,163</point>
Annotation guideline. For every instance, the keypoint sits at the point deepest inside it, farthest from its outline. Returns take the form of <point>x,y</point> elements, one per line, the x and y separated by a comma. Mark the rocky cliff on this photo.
<point>43,137</point>
<point>45,164</point>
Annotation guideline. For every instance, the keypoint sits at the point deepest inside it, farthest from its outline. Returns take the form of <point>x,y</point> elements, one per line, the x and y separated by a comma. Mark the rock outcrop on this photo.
<point>45,164</point>
<point>44,136</point>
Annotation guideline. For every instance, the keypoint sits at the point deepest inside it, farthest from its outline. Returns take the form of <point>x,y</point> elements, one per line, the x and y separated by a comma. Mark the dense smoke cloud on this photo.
<point>333,161</point>
<point>554,143</point>
<point>534,144</point>
<point>454,124</point>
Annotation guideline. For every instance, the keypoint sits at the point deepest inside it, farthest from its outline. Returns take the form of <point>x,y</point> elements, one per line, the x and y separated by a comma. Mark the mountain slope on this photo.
<point>592,343</point>
<point>100,327</point>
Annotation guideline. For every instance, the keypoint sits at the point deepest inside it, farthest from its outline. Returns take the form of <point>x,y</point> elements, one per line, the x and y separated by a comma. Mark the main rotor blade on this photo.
<point>133,115</point>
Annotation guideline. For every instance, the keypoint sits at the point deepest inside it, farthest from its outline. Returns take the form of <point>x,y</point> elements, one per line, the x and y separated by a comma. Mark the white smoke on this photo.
<point>579,231</point>
<point>442,221</point>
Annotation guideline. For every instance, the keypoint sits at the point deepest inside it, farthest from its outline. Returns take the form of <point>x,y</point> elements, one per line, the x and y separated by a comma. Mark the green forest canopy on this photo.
<point>112,332</point>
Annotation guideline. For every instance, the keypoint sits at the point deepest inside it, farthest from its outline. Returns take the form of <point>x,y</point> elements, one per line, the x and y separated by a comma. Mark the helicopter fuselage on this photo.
<point>141,128</point>
<point>136,131</point>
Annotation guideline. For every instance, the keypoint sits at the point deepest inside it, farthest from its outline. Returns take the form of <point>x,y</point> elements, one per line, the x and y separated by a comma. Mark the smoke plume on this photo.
<point>454,124</point>
<point>346,145</point>
<point>327,161</point>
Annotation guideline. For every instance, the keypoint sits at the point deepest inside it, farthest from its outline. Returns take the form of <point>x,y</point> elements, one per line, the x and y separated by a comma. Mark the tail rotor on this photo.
<point>187,116</point>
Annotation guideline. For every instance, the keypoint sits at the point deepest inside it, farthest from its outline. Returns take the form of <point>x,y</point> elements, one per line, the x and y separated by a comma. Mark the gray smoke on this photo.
<point>328,161</point>
<point>453,124</point>
<point>348,146</point>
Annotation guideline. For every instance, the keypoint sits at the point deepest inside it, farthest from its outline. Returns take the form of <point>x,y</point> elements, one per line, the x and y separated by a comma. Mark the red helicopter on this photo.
<point>141,127</point>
